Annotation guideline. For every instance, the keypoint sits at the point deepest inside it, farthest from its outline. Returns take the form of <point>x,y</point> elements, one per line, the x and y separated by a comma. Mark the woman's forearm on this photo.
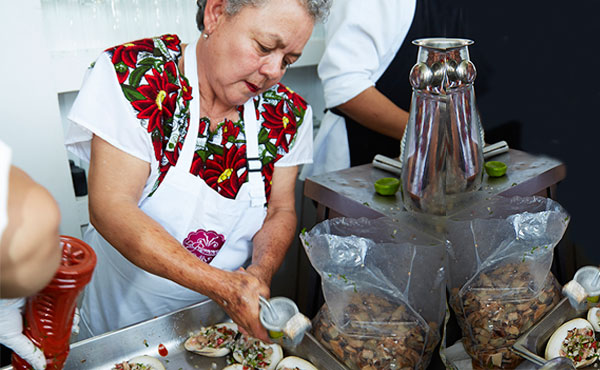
<point>116,182</point>
<point>274,238</point>
<point>149,246</point>
<point>271,244</point>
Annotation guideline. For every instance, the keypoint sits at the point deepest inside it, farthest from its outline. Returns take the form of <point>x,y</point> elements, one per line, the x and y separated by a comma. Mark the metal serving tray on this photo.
<point>171,330</point>
<point>532,344</point>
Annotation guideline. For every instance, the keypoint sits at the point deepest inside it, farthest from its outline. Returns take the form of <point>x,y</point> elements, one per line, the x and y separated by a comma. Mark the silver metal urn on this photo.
<point>442,149</point>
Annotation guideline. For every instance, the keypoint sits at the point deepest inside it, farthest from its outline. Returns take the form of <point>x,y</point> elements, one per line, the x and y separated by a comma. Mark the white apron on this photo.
<point>120,293</point>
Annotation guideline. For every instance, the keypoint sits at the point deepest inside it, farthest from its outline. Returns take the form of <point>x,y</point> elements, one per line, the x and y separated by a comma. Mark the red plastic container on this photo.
<point>48,316</point>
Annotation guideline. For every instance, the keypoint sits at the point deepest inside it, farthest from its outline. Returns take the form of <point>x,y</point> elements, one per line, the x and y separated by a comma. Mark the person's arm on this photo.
<point>29,248</point>
<point>362,39</point>
<point>274,238</point>
<point>374,110</point>
<point>116,181</point>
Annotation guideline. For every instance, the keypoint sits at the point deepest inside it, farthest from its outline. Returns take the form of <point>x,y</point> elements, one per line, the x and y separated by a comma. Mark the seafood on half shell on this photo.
<point>235,367</point>
<point>213,341</point>
<point>140,363</point>
<point>295,363</point>
<point>575,340</point>
<point>256,354</point>
<point>593,316</point>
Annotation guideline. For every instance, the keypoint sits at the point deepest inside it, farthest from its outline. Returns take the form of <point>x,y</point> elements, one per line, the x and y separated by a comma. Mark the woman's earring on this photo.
<point>205,35</point>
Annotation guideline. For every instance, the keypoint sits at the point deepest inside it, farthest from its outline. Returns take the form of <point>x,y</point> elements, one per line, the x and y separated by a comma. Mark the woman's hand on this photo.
<point>270,245</point>
<point>240,302</point>
<point>260,273</point>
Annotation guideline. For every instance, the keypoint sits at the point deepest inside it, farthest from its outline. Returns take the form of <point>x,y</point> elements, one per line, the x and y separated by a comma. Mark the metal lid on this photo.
<point>442,43</point>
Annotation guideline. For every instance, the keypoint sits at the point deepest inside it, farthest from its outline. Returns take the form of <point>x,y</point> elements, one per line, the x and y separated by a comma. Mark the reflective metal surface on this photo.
<point>442,151</point>
<point>171,330</point>
<point>558,363</point>
<point>532,344</point>
<point>350,192</point>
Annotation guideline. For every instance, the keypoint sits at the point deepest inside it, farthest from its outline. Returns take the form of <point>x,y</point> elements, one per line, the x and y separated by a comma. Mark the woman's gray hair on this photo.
<point>318,9</point>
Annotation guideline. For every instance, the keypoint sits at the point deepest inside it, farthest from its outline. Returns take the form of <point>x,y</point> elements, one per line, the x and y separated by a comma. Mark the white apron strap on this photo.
<point>191,73</point>
<point>255,180</point>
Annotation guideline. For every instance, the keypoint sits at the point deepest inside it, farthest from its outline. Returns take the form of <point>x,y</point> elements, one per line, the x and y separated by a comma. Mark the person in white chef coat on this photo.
<point>364,71</point>
<point>362,39</point>
<point>193,153</point>
<point>30,251</point>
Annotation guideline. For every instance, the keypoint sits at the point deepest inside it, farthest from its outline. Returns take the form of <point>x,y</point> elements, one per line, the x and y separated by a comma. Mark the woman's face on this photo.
<point>248,52</point>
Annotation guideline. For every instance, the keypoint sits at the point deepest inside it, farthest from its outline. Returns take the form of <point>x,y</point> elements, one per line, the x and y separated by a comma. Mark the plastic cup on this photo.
<point>589,278</point>
<point>284,308</point>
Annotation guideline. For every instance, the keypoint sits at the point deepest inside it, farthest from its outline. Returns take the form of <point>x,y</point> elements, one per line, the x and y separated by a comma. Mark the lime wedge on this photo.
<point>495,168</point>
<point>387,186</point>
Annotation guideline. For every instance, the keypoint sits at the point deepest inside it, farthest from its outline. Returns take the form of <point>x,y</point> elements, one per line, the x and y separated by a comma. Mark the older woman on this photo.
<point>193,160</point>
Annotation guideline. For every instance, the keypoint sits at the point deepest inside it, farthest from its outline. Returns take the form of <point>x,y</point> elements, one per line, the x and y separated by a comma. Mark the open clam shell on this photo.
<point>257,354</point>
<point>148,363</point>
<point>593,316</point>
<point>213,341</point>
<point>583,331</point>
<point>234,367</point>
<point>293,362</point>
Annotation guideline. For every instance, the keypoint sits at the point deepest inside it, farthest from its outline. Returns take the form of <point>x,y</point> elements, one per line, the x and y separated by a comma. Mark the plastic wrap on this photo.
<point>499,273</point>
<point>384,288</point>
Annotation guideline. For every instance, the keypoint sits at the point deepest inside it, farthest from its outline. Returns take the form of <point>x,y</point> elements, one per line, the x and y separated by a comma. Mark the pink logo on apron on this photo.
<point>204,244</point>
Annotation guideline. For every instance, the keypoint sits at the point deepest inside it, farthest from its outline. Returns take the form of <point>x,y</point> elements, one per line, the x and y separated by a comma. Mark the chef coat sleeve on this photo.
<point>5,158</point>
<point>362,38</point>
<point>102,109</point>
<point>301,147</point>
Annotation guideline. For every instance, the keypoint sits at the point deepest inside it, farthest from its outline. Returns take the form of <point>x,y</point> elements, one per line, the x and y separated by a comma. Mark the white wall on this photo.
<point>29,112</point>
<point>40,83</point>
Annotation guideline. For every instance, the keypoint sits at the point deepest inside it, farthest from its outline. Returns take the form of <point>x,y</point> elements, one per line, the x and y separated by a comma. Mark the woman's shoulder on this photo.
<point>145,52</point>
<point>162,43</point>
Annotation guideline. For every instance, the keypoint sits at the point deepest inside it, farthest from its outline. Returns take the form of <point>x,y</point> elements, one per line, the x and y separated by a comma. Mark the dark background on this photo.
<point>536,87</point>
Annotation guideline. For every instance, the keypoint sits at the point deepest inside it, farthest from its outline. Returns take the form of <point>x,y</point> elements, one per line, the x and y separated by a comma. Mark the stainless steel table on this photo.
<point>171,330</point>
<point>350,192</point>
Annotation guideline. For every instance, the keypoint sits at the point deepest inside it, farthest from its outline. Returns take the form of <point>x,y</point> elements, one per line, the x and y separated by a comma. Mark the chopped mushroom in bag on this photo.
<point>410,347</point>
<point>490,326</point>
<point>384,288</point>
<point>499,273</point>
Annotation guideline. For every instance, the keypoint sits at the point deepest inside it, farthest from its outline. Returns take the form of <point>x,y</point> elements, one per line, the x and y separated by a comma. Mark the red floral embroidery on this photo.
<point>185,89</point>
<point>171,41</point>
<point>122,73</point>
<point>198,166</point>
<point>267,172</point>
<point>230,131</point>
<point>296,99</point>
<point>221,172</point>
<point>151,82</point>
<point>162,173</point>
<point>148,74</point>
<point>161,96</point>
<point>281,123</point>
<point>128,53</point>
<point>173,155</point>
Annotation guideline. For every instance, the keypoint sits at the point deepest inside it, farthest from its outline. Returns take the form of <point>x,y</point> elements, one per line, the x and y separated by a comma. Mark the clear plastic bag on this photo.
<point>384,288</point>
<point>499,273</point>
